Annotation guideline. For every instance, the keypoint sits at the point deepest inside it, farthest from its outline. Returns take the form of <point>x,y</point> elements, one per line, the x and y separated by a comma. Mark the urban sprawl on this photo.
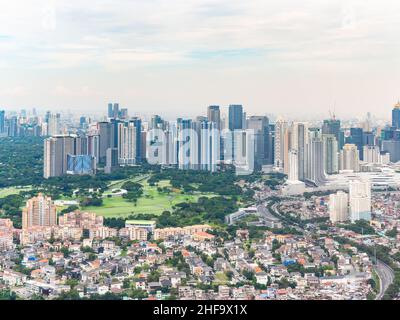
<point>227,207</point>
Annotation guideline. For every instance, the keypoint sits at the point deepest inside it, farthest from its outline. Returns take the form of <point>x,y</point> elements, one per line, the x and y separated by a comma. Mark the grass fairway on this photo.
<point>152,202</point>
<point>4,192</point>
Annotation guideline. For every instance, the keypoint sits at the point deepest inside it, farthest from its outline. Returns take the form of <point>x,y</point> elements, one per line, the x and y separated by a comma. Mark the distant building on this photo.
<point>349,158</point>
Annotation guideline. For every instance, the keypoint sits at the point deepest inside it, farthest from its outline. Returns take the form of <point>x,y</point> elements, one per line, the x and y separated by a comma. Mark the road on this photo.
<point>386,277</point>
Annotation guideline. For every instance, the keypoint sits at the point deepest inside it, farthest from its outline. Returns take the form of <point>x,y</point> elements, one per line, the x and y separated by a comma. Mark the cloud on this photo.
<point>256,40</point>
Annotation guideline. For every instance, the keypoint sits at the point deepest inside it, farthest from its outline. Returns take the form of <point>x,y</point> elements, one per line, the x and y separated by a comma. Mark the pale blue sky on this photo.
<point>178,56</point>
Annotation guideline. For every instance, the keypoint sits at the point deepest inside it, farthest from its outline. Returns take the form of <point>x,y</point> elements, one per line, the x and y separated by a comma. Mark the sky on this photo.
<point>176,57</point>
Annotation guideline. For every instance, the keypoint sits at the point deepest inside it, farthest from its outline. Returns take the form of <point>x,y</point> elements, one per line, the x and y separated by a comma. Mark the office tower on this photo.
<point>2,121</point>
<point>188,145</point>
<point>332,126</point>
<point>116,110</point>
<point>244,146</point>
<point>81,164</point>
<point>371,154</point>
<point>111,160</point>
<point>349,159</point>
<point>214,115</point>
<point>339,207</point>
<point>123,114</point>
<point>81,145</point>
<point>299,141</point>
<point>280,132</point>
<point>127,144</point>
<point>56,151</point>
<point>260,125</point>
<point>113,111</point>
<point>396,116</point>
<point>287,146</point>
<point>235,117</point>
<point>39,211</point>
<point>110,110</point>
<point>53,124</point>
<point>105,139</point>
<point>293,166</point>
<point>315,171</point>
<point>369,138</point>
<point>13,126</point>
<point>393,148</point>
<point>209,146</point>
<point>360,200</point>
<point>331,155</point>
<point>356,138</point>
<point>93,146</point>
<point>157,122</point>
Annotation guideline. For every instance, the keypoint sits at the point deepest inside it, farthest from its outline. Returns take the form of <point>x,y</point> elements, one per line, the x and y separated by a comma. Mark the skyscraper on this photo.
<point>338,207</point>
<point>315,172</point>
<point>331,155</point>
<point>396,116</point>
<point>56,151</point>
<point>332,126</point>
<point>39,211</point>
<point>105,132</point>
<point>127,138</point>
<point>214,115</point>
<point>280,130</point>
<point>371,154</point>
<point>235,117</point>
<point>293,166</point>
<point>349,159</point>
<point>357,138</point>
<point>360,200</point>
<point>260,125</point>
<point>2,121</point>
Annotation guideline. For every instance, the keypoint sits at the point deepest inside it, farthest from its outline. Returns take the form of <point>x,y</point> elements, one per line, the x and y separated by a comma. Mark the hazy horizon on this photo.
<point>176,57</point>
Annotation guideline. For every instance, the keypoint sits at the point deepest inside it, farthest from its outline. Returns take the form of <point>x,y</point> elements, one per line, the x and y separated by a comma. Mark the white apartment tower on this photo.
<point>360,200</point>
<point>280,132</point>
<point>349,158</point>
<point>338,207</point>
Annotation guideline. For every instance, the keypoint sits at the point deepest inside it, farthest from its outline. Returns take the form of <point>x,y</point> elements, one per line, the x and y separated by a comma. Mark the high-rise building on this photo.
<point>214,115</point>
<point>393,148</point>
<point>315,171</point>
<point>53,124</point>
<point>396,116</point>
<point>127,144</point>
<point>299,141</point>
<point>39,211</point>
<point>209,146</point>
<point>293,166</point>
<point>280,132</point>
<point>331,155</point>
<point>339,207</point>
<point>56,151</point>
<point>111,160</point>
<point>260,125</point>
<point>349,159</point>
<point>360,200</point>
<point>371,154</point>
<point>357,138</point>
<point>235,117</point>
<point>332,126</point>
<point>105,132</point>
<point>2,121</point>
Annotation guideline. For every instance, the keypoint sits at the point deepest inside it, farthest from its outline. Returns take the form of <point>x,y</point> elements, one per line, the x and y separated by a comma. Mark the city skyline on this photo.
<point>179,57</point>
